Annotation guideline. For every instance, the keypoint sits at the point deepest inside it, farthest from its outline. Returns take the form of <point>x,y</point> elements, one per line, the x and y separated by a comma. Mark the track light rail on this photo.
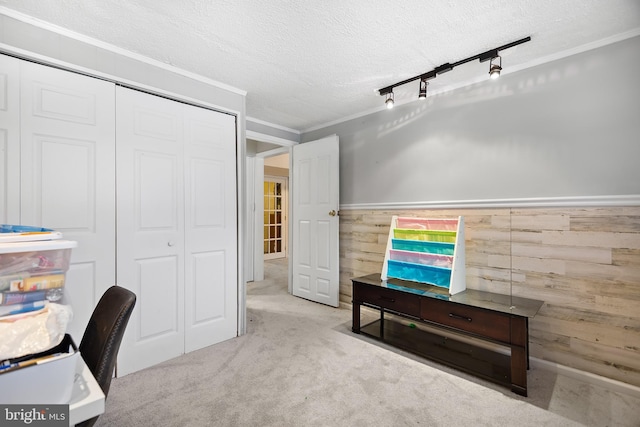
<point>485,56</point>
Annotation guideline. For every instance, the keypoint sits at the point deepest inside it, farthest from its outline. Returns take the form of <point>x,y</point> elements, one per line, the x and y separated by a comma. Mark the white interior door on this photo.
<point>68,173</point>
<point>315,205</point>
<point>150,216</point>
<point>210,228</point>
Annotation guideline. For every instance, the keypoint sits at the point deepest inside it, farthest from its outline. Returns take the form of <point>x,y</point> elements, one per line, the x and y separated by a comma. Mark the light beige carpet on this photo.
<point>299,365</point>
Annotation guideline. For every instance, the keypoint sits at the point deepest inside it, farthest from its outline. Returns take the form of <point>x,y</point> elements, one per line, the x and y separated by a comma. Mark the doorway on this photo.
<point>315,171</point>
<point>267,157</point>
<point>276,195</point>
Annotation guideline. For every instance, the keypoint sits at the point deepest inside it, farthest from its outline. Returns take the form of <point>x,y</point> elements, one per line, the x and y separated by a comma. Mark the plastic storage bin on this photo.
<point>42,380</point>
<point>34,265</point>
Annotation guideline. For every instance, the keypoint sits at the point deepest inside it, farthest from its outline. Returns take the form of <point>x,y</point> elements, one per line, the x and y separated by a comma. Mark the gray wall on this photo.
<point>565,128</point>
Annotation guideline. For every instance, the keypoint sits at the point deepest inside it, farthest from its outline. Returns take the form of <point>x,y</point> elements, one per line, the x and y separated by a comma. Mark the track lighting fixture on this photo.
<point>389,101</point>
<point>423,89</point>
<point>495,67</point>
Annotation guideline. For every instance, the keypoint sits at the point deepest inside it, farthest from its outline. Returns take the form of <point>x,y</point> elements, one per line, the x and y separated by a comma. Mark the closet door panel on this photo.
<point>156,253</point>
<point>64,197</point>
<point>210,228</point>
<point>9,140</point>
<point>208,304</point>
<point>157,277</point>
<point>150,217</point>
<point>156,194</point>
<point>67,175</point>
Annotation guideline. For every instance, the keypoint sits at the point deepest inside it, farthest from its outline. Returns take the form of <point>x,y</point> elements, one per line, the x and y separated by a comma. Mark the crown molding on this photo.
<point>263,137</point>
<point>272,125</point>
<point>115,49</point>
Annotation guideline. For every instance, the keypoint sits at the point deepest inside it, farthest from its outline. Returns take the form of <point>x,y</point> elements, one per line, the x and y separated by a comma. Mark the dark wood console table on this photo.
<point>434,325</point>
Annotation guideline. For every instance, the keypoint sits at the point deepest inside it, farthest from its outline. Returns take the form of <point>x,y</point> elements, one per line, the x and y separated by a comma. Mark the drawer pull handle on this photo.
<point>457,316</point>
<point>388,299</point>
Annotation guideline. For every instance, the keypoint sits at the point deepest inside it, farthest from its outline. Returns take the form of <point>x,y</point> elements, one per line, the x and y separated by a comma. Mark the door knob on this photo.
<point>332,213</point>
<point>170,243</point>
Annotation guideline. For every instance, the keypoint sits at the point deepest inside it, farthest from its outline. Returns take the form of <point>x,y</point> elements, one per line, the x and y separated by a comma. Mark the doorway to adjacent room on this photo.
<point>275,216</point>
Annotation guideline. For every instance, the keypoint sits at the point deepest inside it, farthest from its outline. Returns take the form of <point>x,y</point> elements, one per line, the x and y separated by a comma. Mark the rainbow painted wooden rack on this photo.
<point>426,251</point>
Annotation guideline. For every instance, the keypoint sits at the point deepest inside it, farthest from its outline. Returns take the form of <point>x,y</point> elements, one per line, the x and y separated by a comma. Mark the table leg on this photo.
<point>526,343</point>
<point>519,356</point>
<point>355,317</point>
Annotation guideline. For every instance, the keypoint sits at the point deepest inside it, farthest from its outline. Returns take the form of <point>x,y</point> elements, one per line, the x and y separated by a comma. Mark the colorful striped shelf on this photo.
<point>428,251</point>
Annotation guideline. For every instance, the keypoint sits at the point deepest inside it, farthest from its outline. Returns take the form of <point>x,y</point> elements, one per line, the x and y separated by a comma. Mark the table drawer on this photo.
<point>401,302</point>
<point>486,323</point>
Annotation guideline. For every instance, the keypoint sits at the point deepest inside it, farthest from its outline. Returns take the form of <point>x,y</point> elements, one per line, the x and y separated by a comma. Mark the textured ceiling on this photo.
<point>307,63</point>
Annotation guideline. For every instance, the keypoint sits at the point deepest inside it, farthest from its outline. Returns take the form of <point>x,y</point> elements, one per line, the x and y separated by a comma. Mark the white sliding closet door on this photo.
<point>9,140</point>
<point>68,173</point>
<point>211,294</point>
<point>150,226</point>
<point>176,226</point>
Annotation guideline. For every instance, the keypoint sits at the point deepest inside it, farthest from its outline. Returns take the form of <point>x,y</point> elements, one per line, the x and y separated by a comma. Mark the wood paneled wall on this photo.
<point>583,262</point>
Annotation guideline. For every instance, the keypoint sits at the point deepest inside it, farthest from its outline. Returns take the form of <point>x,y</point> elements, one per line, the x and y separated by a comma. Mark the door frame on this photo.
<point>255,244</point>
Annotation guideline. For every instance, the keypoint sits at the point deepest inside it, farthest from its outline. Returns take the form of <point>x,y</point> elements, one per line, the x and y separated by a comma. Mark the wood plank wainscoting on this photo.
<point>583,262</point>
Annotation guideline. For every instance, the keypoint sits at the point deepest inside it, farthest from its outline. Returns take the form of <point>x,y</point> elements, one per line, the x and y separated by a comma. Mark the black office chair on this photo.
<point>101,340</point>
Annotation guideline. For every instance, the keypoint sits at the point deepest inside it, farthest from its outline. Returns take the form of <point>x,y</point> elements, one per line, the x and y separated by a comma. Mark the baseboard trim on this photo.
<point>587,377</point>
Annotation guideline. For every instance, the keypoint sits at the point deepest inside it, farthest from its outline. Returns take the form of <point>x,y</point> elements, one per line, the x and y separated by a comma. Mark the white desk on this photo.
<point>87,398</point>
<point>24,387</point>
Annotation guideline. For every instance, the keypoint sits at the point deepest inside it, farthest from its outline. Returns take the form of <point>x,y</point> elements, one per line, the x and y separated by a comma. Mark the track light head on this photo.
<point>423,89</point>
<point>495,66</point>
<point>389,101</point>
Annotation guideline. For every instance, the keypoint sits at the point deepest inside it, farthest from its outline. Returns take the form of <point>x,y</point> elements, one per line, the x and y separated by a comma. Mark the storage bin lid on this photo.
<point>26,233</point>
<point>44,245</point>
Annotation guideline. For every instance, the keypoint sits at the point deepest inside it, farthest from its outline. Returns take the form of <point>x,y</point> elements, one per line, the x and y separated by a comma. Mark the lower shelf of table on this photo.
<point>412,337</point>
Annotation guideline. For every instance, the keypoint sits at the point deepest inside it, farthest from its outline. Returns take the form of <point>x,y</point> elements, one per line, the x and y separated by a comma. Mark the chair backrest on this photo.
<point>101,340</point>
